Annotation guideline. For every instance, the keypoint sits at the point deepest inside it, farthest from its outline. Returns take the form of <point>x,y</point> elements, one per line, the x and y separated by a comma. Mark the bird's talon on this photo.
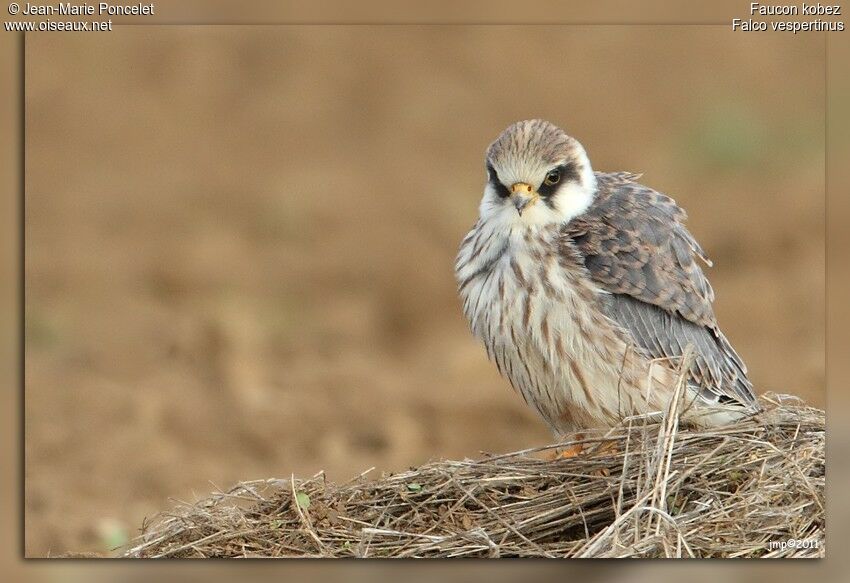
<point>569,452</point>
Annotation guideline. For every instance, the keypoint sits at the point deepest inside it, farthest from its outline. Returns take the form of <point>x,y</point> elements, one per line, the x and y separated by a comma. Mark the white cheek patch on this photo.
<point>572,200</point>
<point>491,203</point>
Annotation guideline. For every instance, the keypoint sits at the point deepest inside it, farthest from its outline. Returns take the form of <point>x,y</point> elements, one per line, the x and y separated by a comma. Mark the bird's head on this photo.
<point>537,175</point>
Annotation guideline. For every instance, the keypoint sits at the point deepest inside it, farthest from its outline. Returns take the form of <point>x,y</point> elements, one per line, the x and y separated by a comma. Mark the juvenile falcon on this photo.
<point>586,290</point>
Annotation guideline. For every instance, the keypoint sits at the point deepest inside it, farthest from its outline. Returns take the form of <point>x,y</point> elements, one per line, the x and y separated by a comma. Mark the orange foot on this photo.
<point>577,449</point>
<point>571,451</point>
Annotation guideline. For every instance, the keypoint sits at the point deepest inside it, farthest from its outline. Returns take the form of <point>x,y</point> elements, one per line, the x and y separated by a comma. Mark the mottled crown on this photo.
<point>533,140</point>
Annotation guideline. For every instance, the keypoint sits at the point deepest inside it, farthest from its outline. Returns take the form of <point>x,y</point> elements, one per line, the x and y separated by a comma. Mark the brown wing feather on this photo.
<point>634,244</point>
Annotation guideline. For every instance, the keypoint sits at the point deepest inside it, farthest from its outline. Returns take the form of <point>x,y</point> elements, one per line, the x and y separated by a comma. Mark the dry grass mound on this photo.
<point>641,490</point>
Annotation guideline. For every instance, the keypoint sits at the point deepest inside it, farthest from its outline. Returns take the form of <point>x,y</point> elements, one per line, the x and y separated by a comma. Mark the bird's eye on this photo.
<point>553,177</point>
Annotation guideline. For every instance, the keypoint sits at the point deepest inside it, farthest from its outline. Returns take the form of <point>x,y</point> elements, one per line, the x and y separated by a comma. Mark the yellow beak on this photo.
<point>522,195</point>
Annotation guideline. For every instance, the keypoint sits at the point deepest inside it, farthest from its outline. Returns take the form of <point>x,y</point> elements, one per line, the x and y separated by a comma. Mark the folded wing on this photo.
<point>635,247</point>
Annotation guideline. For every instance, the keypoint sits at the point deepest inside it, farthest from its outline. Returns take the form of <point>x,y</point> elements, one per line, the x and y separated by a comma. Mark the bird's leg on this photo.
<point>573,450</point>
<point>577,449</point>
<point>568,452</point>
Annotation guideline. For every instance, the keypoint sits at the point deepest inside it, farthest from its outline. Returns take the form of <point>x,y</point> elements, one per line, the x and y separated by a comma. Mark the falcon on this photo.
<point>587,291</point>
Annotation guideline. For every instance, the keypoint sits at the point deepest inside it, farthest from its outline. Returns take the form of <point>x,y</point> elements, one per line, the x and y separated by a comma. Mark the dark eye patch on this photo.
<point>500,188</point>
<point>569,173</point>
